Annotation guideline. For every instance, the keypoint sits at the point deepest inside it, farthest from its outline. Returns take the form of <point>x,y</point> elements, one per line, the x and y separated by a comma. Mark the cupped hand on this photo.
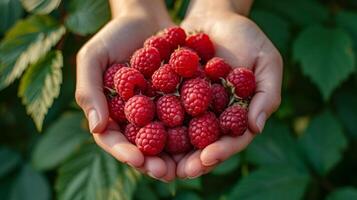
<point>114,44</point>
<point>241,43</point>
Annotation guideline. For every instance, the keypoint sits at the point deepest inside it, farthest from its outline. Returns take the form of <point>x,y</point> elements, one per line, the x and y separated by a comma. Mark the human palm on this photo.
<point>242,44</point>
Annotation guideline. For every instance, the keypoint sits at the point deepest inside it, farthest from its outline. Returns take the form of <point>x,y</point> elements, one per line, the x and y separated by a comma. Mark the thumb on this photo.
<point>89,87</point>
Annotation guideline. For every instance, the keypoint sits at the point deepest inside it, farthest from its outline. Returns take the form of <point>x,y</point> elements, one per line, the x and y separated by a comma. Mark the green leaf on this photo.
<point>10,12</point>
<point>228,165</point>
<point>276,28</point>
<point>40,85</point>
<point>190,183</point>
<point>30,185</point>
<point>323,142</point>
<point>60,141</point>
<point>274,183</point>
<point>346,107</point>
<point>40,6</point>
<point>92,174</point>
<point>347,193</point>
<point>24,44</point>
<point>302,12</point>
<point>8,160</point>
<point>187,196</point>
<point>326,63</point>
<point>87,16</point>
<point>275,147</point>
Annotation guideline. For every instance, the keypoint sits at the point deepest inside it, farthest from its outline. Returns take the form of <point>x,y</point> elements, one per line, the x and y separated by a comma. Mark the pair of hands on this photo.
<point>237,39</point>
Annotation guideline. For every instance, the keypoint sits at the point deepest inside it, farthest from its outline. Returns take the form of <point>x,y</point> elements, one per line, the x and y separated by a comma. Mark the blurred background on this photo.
<point>307,151</point>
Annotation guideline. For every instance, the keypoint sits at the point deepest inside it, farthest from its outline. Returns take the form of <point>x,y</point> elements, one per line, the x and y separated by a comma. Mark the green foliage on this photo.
<point>307,150</point>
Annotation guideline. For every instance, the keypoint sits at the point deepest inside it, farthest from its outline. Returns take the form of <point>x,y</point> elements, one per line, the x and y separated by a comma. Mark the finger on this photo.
<point>155,167</point>
<point>171,168</point>
<point>268,73</point>
<point>91,64</point>
<point>178,157</point>
<point>193,166</point>
<point>115,143</point>
<point>224,148</point>
<point>180,171</point>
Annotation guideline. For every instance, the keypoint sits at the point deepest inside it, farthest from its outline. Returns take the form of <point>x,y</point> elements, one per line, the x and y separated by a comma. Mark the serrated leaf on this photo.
<point>346,193</point>
<point>275,147</point>
<point>346,107</point>
<point>40,85</point>
<point>281,183</point>
<point>326,63</point>
<point>10,11</point>
<point>276,28</point>
<point>87,16</point>
<point>227,166</point>
<point>302,12</point>
<point>92,174</point>
<point>40,6</point>
<point>24,44</point>
<point>30,185</point>
<point>59,141</point>
<point>8,160</point>
<point>323,143</point>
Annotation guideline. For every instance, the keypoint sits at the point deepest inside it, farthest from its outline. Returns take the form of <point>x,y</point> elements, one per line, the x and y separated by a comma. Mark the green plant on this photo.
<point>307,150</point>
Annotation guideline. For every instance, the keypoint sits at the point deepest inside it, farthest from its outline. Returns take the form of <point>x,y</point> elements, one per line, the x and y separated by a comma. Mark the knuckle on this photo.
<point>276,102</point>
<point>81,98</point>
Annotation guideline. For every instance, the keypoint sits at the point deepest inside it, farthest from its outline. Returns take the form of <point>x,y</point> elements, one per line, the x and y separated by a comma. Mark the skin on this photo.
<point>237,39</point>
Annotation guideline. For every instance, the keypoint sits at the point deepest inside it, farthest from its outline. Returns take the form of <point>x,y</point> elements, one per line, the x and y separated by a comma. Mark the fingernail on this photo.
<point>93,119</point>
<point>193,177</point>
<point>210,163</point>
<point>261,121</point>
<point>151,175</point>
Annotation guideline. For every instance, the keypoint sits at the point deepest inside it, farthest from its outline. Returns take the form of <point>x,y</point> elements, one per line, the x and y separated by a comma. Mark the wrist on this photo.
<point>154,10</point>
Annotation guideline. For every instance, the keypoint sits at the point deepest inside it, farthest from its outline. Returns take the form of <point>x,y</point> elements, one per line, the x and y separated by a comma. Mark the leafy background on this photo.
<point>307,151</point>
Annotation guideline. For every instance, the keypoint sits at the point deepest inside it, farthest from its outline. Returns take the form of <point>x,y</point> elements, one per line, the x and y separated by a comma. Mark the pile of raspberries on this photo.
<point>174,95</point>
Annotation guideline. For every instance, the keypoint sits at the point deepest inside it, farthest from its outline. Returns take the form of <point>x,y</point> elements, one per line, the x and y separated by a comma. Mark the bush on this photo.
<point>307,150</point>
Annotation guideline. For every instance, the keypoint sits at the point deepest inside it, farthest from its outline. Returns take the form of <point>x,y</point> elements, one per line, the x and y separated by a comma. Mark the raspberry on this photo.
<point>127,81</point>
<point>200,73</point>
<point>108,77</point>
<point>243,82</point>
<point>151,138</point>
<point>161,44</point>
<point>234,120</point>
<point>178,140</point>
<point>196,96</point>
<point>203,130</point>
<point>116,109</point>
<point>146,60</point>
<point>150,91</point>
<point>202,44</point>
<point>165,79</point>
<point>176,36</point>
<point>216,68</point>
<point>184,62</point>
<point>170,111</point>
<point>220,98</point>
<point>139,110</point>
<point>130,132</point>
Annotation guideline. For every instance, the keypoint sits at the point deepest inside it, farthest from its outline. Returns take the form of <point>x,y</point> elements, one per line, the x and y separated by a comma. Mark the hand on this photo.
<point>241,43</point>
<point>114,44</point>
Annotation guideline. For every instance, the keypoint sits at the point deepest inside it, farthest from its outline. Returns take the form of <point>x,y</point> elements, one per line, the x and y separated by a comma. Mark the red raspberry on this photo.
<point>203,130</point>
<point>185,62</point>
<point>234,120</point>
<point>178,140</point>
<point>165,79</point>
<point>116,109</point>
<point>146,60</point>
<point>108,78</point>
<point>243,81</point>
<point>130,132</point>
<point>127,81</point>
<point>200,73</point>
<point>196,96</point>
<point>176,36</point>
<point>161,44</point>
<point>202,44</point>
<point>216,68</point>
<point>151,138</point>
<point>170,111</point>
<point>139,110</point>
<point>150,91</point>
<point>220,98</point>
